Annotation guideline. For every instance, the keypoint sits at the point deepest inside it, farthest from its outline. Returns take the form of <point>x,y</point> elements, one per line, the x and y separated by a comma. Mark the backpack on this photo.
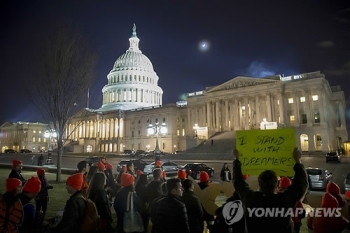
<point>91,220</point>
<point>10,216</point>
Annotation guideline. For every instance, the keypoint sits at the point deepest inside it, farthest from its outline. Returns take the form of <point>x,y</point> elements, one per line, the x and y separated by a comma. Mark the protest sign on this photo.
<point>262,150</point>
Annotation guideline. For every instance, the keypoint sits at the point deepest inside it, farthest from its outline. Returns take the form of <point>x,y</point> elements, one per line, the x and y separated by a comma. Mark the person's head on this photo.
<point>268,182</point>
<point>124,168</point>
<point>32,187</point>
<point>101,166</point>
<point>83,166</point>
<point>98,181</point>
<point>17,165</point>
<point>157,174</point>
<point>139,173</point>
<point>14,186</point>
<point>181,174</point>
<point>109,166</point>
<point>40,172</point>
<point>158,164</point>
<point>127,180</point>
<point>74,183</point>
<point>130,166</point>
<point>328,201</point>
<point>225,166</point>
<point>188,185</point>
<point>174,186</point>
<point>142,179</point>
<point>203,177</point>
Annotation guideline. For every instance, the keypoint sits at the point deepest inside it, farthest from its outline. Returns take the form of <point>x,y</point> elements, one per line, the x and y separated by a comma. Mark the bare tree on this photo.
<point>65,72</point>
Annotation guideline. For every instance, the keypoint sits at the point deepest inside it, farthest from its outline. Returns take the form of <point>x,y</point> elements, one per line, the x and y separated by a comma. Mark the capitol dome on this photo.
<point>132,83</point>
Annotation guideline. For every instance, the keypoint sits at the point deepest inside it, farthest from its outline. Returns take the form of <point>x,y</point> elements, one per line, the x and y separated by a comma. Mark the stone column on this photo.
<point>189,119</point>
<point>309,108</point>
<point>296,109</point>
<point>281,107</point>
<point>226,115</point>
<point>111,128</point>
<point>208,114</point>
<point>217,119</point>
<point>257,111</point>
<point>268,110</point>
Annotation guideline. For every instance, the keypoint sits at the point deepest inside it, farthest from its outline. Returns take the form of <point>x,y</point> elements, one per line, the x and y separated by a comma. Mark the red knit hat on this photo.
<point>109,166</point>
<point>203,177</point>
<point>127,179</point>
<point>15,162</point>
<point>285,182</point>
<point>347,195</point>
<point>328,201</point>
<point>12,183</point>
<point>158,163</point>
<point>33,185</point>
<point>40,171</point>
<point>101,166</point>
<point>333,188</point>
<point>245,177</point>
<point>139,172</point>
<point>124,168</point>
<point>75,181</point>
<point>181,174</point>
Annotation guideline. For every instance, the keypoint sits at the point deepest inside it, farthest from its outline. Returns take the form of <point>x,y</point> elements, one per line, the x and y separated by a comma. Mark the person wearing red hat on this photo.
<point>11,206</point>
<point>17,167</point>
<point>119,177</point>
<point>74,210</point>
<point>334,190</point>
<point>42,198</point>
<point>32,220</point>
<point>101,166</point>
<point>181,174</point>
<point>204,183</point>
<point>111,186</point>
<point>121,199</point>
<point>320,222</point>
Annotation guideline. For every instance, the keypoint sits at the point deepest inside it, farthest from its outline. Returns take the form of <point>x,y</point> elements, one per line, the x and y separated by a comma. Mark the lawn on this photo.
<point>58,195</point>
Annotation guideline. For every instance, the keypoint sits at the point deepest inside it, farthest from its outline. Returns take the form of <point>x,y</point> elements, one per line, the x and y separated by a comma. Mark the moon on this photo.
<point>204,46</point>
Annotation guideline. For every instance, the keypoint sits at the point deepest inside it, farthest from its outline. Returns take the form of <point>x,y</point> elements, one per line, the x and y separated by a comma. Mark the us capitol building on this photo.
<point>132,104</point>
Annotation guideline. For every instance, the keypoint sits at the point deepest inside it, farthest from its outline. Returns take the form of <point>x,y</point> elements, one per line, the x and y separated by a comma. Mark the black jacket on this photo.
<point>17,175</point>
<point>73,215</point>
<point>256,199</point>
<point>170,215</point>
<point>194,212</point>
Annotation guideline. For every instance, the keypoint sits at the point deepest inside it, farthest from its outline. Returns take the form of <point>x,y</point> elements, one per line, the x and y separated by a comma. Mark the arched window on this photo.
<point>318,142</point>
<point>304,142</point>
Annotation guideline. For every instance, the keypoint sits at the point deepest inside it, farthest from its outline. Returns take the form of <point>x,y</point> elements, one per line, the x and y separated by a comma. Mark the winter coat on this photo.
<point>17,175</point>
<point>31,220</point>
<point>194,212</point>
<point>153,191</point>
<point>120,206</point>
<point>43,195</point>
<point>103,208</point>
<point>73,214</point>
<point>327,224</point>
<point>141,191</point>
<point>257,199</point>
<point>170,215</point>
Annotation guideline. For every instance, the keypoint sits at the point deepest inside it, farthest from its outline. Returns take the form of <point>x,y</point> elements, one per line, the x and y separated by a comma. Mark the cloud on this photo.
<point>258,69</point>
<point>326,44</point>
<point>343,70</point>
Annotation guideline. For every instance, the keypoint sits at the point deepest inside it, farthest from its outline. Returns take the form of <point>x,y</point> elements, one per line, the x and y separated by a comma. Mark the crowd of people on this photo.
<point>165,205</point>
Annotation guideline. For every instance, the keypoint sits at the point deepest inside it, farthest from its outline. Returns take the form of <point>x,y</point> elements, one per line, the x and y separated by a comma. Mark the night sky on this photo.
<point>251,38</point>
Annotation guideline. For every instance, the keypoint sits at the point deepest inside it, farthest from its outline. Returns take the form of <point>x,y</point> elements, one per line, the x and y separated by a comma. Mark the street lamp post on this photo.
<point>49,135</point>
<point>155,130</point>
